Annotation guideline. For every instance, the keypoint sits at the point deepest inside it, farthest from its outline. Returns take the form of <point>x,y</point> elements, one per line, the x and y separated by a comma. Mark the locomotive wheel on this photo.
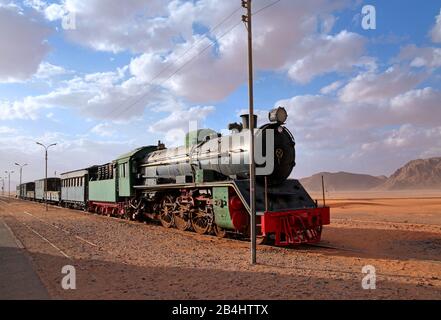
<point>219,231</point>
<point>182,221</point>
<point>166,214</point>
<point>200,221</point>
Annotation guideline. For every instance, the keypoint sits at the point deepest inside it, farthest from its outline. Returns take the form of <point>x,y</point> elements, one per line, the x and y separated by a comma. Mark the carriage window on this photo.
<point>122,170</point>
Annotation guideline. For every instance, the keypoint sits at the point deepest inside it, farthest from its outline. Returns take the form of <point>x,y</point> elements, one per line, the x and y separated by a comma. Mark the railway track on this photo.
<point>318,261</point>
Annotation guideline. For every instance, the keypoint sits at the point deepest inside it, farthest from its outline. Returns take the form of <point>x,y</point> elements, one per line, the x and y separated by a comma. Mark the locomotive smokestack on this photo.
<point>246,121</point>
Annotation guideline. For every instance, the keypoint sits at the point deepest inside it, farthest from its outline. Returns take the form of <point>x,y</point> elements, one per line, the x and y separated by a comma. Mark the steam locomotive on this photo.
<point>202,186</point>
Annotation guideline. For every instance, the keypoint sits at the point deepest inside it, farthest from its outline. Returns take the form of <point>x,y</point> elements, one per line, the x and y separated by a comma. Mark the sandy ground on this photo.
<point>116,259</point>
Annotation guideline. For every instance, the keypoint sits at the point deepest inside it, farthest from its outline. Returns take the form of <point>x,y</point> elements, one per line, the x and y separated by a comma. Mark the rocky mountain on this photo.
<point>342,181</point>
<point>416,174</point>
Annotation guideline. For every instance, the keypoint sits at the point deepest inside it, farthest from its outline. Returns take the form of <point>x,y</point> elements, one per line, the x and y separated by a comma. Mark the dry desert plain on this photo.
<point>397,233</point>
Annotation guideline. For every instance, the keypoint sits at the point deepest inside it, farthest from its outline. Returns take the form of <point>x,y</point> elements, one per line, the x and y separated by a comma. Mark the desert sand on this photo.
<point>116,259</point>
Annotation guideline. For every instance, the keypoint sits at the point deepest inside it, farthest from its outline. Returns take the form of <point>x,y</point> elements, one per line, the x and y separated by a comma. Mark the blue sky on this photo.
<point>358,100</point>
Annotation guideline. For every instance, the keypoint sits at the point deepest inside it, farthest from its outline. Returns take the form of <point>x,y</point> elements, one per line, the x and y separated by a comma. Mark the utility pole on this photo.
<point>21,171</point>
<point>247,20</point>
<point>45,180</point>
<point>9,182</point>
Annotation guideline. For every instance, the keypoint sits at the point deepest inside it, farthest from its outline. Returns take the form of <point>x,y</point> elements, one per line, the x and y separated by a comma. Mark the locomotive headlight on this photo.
<point>278,115</point>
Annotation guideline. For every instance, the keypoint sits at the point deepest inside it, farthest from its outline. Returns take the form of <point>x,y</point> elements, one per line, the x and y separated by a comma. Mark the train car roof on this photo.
<point>49,178</point>
<point>142,151</point>
<point>78,171</point>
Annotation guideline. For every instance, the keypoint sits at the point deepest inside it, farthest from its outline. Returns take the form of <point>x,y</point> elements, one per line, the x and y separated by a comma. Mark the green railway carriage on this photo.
<point>111,184</point>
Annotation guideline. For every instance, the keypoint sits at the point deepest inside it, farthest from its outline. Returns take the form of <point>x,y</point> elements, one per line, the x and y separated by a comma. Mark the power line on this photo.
<point>150,82</point>
<point>170,64</point>
<point>182,66</point>
<point>266,7</point>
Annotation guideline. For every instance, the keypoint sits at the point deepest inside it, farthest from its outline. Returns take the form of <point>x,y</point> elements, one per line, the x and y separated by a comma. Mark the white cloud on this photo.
<point>373,125</point>
<point>54,12</point>
<point>181,118</point>
<point>421,106</point>
<point>376,88</point>
<point>27,108</point>
<point>38,5</point>
<point>162,33</point>
<point>435,33</point>
<point>104,130</point>
<point>326,55</point>
<point>21,55</point>
<point>421,57</point>
<point>47,70</point>
<point>331,87</point>
<point>7,130</point>
<point>400,145</point>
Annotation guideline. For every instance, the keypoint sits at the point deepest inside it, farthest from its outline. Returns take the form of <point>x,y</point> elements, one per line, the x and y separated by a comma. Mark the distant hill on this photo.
<point>416,174</point>
<point>342,181</point>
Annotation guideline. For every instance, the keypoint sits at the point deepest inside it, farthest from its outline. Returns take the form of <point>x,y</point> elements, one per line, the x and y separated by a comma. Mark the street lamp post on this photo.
<point>21,171</point>
<point>45,180</point>
<point>9,182</point>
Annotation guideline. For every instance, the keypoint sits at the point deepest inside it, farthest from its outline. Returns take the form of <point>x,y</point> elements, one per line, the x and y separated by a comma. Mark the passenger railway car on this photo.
<point>75,188</point>
<point>27,191</point>
<point>53,190</point>
<point>111,185</point>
